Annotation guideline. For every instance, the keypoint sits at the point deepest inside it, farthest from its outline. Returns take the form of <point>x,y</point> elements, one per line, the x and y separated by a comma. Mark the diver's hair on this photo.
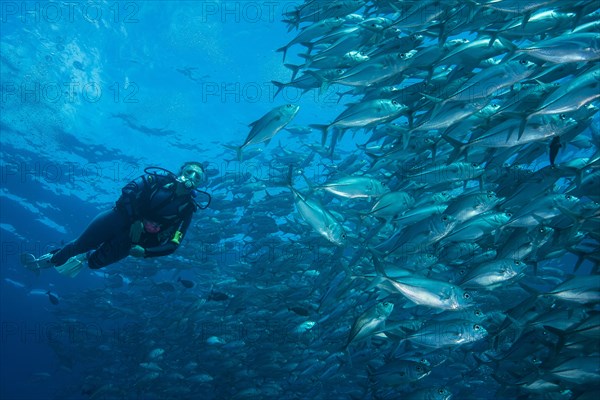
<point>195,163</point>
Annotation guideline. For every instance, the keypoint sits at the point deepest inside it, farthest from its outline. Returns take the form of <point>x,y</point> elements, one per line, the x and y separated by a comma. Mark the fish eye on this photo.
<point>509,215</point>
<point>478,313</point>
<point>568,197</point>
<point>476,327</point>
<point>474,165</point>
<point>444,217</point>
<point>441,391</point>
<point>523,62</point>
<point>466,296</point>
<point>419,368</point>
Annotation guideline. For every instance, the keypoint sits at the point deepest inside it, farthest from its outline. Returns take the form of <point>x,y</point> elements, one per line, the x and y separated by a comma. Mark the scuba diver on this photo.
<point>149,219</point>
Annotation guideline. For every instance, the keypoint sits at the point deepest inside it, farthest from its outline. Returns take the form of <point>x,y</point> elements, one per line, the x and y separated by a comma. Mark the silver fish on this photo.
<point>439,334</point>
<point>579,289</point>
<point>313,31</point>
<point>399,373</point>
<point>268,125</point>
<point>370,322</point>
<point>313,212</point>
<point>572,96</point>
<point>567,48</point>
<point>492,274</point>
<point>392,204</point>
<point>355,187</point>
<point>492,80</point>
<point>578,370</point>
<point>432,293</point>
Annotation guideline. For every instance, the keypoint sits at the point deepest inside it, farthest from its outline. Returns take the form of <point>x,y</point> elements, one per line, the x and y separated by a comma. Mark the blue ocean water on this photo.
<point>67,72</point>
<point>94,92</point>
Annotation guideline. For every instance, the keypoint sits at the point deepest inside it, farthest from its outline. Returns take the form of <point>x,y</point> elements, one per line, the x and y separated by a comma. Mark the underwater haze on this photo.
<point>405,198</point>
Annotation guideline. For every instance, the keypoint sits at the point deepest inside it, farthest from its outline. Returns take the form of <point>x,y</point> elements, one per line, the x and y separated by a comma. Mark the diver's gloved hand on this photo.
<point>137,251</point>
<point>135,232</point>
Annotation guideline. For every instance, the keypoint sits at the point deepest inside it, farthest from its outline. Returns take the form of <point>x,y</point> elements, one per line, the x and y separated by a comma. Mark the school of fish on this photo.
<point>451,252</point>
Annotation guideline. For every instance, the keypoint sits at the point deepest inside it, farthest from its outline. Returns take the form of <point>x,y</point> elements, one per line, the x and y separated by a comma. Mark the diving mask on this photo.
<point>191,176</point>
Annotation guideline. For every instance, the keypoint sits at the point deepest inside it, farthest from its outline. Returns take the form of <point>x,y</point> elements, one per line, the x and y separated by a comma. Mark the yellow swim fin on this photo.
<point>73,265</point>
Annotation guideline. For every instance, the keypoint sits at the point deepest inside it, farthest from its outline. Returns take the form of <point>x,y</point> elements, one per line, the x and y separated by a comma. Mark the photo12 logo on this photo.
<point>68,92</point>
<point>242,11</point>
<point>271,92</point>
<point>118,12</point>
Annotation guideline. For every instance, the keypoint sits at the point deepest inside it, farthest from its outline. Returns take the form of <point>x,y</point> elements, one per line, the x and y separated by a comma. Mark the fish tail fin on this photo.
<point>492,33</point>
<point>521,127</point>
<point>337,135</point>
<point>342,94</point>
<point>311,186</point>
<point>309,46</point>
<point>562,336</point>
<point>323,129</point>
<point>379,269</point>
<point>308,59</point>
<point>325,86</point>
<point>280,86</point>
<point>237,149</point>
<point>579,13</point>
<point>290,175</point>
<point>459,148</point>
<point>411,121</point>
<point>283,50</point>
<point>509,45</point>
<point>289,182</point>
<point>325,83</point>
<point>581,257</point>
<point>292,20</point>
<point>375,158</point>
<point>294,68</point>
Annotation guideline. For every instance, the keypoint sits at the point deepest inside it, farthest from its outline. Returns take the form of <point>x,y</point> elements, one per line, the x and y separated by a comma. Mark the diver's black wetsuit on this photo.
<point>150,197</point>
